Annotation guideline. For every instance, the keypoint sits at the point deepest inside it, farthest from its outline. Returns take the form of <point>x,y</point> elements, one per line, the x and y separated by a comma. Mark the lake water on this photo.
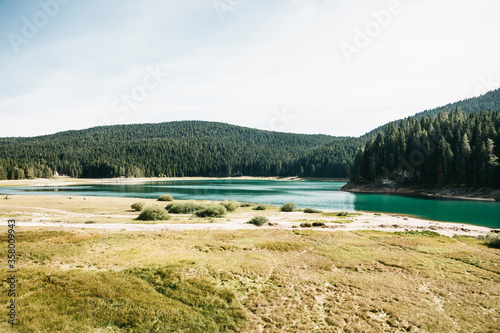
<point>320,195</point>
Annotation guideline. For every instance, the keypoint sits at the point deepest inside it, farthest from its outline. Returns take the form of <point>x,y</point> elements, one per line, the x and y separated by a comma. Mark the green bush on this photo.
<point>165,197</point>
<point>306,225</point>
<point>259,220</point>
<point>231,206</point>
<point>289,207</point>
<point>343,214</point>
<point>493,240</point>
<point>260,207</point>
<point>138,206</point>
<point>311,211</point>
<point>153,213</point>
<point>318,224</point>
<point>245,204</point>
<point>212,211</point>
<point>184,208</point>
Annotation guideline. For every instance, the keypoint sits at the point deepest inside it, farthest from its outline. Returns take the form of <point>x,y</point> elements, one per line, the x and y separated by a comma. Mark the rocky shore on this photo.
<point>451,193</point>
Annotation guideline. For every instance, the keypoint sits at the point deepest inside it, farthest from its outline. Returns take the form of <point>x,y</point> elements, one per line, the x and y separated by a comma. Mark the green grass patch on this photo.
<point>493,240</point>
<point>212,211</point>
<point>289,207</point>
<point>137,206</point>
<point>309,210</point>
<point>427,233</point>
<point>230,206</point>
<point>153,213</point>
<point>259,221</point>
<point>282,246</point>
<point>341,214</point>
<point>184,208</point>
<point>166,197</point>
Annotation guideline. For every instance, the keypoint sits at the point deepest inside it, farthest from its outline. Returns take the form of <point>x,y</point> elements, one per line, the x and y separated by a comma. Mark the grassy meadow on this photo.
<point>262,280</point>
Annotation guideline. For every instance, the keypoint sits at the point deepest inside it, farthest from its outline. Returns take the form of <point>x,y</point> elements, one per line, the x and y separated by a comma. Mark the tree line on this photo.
<point>448,149</point>
<point>176,149</point>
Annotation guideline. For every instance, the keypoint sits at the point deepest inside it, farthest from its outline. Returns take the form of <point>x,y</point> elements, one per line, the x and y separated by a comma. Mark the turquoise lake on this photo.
<point>320,195</point>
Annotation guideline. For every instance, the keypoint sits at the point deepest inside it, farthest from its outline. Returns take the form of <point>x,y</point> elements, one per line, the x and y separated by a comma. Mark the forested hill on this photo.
<point>451,149</point>
<point>488,101</point>
<point>176,149</point>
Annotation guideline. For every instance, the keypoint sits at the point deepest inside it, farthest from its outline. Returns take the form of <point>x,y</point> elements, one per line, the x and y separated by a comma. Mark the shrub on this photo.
<point>153,214</point>
<point>306,225</point>
<point>246,204</point>
<point>318,224</point>
<point>259,221</point>
<point>311,211</point>
<point>260,207</point>
<point>493,240</point>
<point>343,214</point>
<point>289,207</point>
<point>212,211</point>
<point>165,197</point>
<point>231,205</point>
<point>138,206</point>
<point>184,208</point>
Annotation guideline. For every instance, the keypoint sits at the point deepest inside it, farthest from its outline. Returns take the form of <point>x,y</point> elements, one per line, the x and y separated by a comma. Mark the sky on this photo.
<point>333,67</point>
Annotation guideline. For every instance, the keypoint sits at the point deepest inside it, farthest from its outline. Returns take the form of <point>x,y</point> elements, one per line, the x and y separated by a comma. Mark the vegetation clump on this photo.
<point>153,213</point>
<point>246,204</point>
<point>306,225</point>
<point>343,213</point>
<point>212,211</point>
<point>289,207</point>
<point>231,206</point>
<point>260,207</point>
<point>428,233</point>
<point>138,206</point>
<point>166,197</point>
<point>283,246</point>
<point>184,208</point>
<point>309,210</point>
<point>259,221</point>
<point>493,240</point>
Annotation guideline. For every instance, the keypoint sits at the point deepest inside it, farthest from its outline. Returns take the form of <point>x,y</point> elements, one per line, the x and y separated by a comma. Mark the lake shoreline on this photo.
<point>68,181</point>
<point>114,213</point>
<point>446,193</point>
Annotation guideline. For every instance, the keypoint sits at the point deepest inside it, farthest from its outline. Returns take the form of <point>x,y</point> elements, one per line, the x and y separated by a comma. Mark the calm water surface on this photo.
<point>320,195</point>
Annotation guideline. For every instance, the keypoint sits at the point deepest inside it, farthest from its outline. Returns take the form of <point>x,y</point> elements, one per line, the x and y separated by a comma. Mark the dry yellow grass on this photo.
<point>252,281</point>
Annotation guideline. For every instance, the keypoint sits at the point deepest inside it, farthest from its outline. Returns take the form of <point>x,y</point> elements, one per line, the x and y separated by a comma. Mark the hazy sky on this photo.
<point>336,67</point>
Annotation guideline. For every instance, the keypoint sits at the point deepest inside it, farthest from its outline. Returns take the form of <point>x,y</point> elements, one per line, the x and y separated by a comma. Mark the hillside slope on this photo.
<point>488,101</point>
<point>184,148</point>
